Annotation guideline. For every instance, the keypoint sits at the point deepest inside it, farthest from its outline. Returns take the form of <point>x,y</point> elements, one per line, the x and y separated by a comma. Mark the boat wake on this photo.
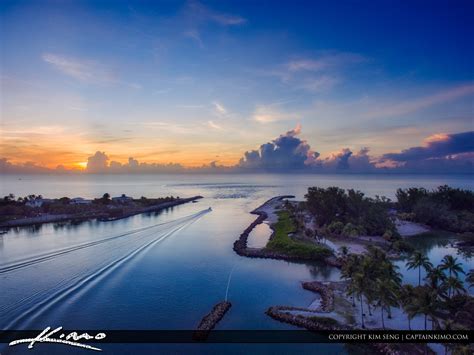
<point>30,309</point>
<point>21,263</point>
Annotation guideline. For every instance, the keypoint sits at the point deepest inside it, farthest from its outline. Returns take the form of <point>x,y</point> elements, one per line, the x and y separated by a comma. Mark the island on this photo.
<point>364,237</point>
<point>33,209</point>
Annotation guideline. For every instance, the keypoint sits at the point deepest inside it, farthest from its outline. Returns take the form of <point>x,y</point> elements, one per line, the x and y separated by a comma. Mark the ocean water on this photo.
<point>166,270</point>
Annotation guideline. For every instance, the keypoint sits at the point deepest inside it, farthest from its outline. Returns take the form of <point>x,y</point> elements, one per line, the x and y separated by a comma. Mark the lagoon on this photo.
<point>169,268</point>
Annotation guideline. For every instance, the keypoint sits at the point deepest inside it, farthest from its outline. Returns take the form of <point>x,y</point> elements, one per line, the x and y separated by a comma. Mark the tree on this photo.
<point>392,279</point>
<point>406,297</point>
<point>419,260</point>
<point>450,263</point>
<point>348,270</point>
<point>425,302</point>
<point>436,278</point>
<point>9,198</point>
<point>106,196</point>
<point>326,204</point>
<point>470,278</point>
<point>454,286</point>
<point>407,198</point>
<point>386,296</point>
<point>359,287</point>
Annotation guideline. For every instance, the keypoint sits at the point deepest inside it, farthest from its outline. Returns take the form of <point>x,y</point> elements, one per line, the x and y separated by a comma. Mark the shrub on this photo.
<point>350,230</point>
<point>402,246</point>
<point>335,227</point>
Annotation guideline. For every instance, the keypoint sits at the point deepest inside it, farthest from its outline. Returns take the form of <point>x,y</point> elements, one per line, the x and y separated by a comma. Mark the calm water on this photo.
<point>166,270</point>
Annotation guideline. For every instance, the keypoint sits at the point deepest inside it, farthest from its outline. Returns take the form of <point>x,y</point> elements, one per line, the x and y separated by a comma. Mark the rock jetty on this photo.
<point>210,320</point>
<point>241,248</point>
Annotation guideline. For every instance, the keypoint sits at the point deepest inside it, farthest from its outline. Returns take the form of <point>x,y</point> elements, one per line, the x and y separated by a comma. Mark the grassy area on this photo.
<point>283,243</point>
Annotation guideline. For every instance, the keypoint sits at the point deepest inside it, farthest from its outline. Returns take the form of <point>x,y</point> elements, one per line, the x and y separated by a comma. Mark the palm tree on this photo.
<point>470,278</point>
<point>386,296</point>
<point>436,277</point>
<point>454,285</point>
<point>407,295</point>
<point>419,260</point>
<point>376,254</point>
<point>426,302</point>
<point>390,275</point>
<point>450,263</point>
<point>370,272</point>
<point>349,268</point>
<point>359,288</point>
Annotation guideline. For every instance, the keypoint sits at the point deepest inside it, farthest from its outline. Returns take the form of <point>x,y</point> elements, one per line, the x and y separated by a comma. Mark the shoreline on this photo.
<point>102,217</point>
<point>241,248</point>
<point>323,318</point>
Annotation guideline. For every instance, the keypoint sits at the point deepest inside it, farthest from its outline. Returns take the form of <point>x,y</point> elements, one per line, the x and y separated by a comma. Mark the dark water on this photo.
<point>165,270</point>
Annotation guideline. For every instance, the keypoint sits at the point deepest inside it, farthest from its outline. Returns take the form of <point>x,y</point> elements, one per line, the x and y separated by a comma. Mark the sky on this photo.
<point>271,85</point>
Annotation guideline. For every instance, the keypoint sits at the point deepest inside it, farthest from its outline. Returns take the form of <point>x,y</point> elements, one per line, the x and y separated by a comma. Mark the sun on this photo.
<point>81,165</point>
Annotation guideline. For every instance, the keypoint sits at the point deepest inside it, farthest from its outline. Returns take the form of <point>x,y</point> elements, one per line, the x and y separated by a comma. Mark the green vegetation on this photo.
<point>283,243</point>
<point>445,208</point>
<point>418,261</point>
<point>349,213</point>
<point>373,279</point>
<point>30,206</point>
<point>442,299</point>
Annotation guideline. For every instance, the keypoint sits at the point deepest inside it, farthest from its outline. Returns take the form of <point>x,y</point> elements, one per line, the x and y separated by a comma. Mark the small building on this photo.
<point>79,201</point>
<point>122,199</point>
<point>38,202</point>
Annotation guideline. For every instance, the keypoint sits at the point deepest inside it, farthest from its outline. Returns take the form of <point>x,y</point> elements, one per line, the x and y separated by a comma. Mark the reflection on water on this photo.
<point>435,245</point>
<point>259,236</point>
<point>170,275</point>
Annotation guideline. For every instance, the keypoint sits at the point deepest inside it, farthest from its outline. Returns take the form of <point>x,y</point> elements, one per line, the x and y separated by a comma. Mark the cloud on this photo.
<point>436,146</point>
<point>97,163</point>
<point>440,153</point>
<point>204,13</point>
<point>194,35</point>
<point>319,84</point>
<point>346,160</point>
<point>314,74</point>
<point>7,167</point>
<point>408,106</point>
<point>269,113</point>
<point>285,153</point>
<point>83,70</point>
<point>324,62</point>
<point>219,108</point>
<point>214,125</point>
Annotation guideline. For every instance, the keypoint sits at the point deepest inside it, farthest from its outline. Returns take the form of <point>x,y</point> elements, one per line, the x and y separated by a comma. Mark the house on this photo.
<point>38,202</point>
<point>122,199</point>
<point>79,201</point>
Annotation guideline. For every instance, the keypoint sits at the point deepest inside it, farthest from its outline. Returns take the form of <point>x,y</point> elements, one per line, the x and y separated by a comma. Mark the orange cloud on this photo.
<point>438,137</point>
